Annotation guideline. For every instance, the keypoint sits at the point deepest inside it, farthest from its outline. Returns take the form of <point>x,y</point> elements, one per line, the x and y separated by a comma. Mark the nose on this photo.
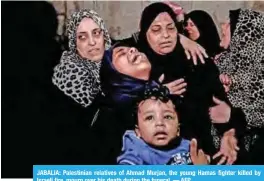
<point>132,50</point>
<point>165,34</point>
<point>91,41</point>
<point>187,27</point>
<point>160,122</point>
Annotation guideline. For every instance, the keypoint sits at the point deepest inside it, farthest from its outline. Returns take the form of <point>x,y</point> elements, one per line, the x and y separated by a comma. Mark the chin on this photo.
<point>97,58</point>
<point>159,143</point>
<point>165,51</point>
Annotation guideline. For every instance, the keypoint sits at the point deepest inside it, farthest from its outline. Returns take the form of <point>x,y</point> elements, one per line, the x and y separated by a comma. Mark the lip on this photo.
<point>165,44</point>
<point>161,134</point>
<point>93,50</point>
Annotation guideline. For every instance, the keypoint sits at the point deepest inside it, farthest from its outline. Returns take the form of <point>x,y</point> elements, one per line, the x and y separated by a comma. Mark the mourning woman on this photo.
<point>201,28</point>
<point>243,63</point>
<point>199,85</point>
<point>125,75</point>
<point>77,74</point>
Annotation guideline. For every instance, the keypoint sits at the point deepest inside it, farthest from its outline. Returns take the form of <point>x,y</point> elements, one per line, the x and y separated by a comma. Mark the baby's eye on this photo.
<point>168,117</point>
<point>149,118</point>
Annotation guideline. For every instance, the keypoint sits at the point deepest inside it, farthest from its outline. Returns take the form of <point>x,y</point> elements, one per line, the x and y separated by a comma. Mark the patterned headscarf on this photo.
<point>244,63</point>
<point>76,76</point>
<point>74,22</point>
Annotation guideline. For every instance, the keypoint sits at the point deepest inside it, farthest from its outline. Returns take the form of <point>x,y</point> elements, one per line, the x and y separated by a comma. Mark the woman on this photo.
<point>201,28</point>
<point>78,89</point>
<point>243,39</point>
<point>77,74</point>
<point>192,49</point>
<point>196,84</point>
<point>129,71</point>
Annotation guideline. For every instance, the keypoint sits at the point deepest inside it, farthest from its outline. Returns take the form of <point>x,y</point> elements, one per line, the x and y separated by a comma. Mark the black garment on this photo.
<point>209,37</point>
<point>202,84</point>
<point>233,16</point>
<point>131,41</point>
<point>40,125</point>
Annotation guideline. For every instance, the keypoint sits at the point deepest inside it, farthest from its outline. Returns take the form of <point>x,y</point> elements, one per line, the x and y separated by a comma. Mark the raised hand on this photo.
<point>199,158</point>
<point>228,148</point>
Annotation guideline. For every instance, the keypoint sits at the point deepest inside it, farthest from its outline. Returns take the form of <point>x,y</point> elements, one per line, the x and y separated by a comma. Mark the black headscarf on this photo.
<point>121,90</point>
<point>159,62</point>
<point>209,37</point>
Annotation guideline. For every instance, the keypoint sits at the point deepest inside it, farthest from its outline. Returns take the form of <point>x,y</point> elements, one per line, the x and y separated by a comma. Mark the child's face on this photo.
<point>157,122</point>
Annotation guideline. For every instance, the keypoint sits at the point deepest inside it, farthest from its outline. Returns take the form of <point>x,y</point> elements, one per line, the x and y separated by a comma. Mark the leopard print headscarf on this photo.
<point>78,77</point>
<point>244,63</point>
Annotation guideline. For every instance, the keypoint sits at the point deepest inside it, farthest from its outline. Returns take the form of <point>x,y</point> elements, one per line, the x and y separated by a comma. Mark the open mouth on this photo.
<point>161,135</point>
<point>136,59</point>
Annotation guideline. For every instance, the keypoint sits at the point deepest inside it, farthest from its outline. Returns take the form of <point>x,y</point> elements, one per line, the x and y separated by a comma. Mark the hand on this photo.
<point>176,87</point>
<point>228,148</point>
<point>194,49</point>
<point>221,112</point>
<point>197,158</point>
<point>226,81</point>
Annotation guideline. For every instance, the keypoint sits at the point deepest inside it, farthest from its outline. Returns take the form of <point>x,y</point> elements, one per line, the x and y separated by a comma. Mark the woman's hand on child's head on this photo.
<point>228,148</point>
<point>199,158</point>
<point>193,49</point>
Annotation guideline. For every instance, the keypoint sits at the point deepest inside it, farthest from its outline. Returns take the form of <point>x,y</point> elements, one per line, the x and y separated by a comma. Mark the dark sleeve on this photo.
<point>237,118</point>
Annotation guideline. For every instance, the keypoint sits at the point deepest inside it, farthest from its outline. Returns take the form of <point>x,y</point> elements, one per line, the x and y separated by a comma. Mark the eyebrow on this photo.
<point>118,51</point>
<point>169,111</point>
<point>148,112</point>
<point>170,24</point>
<point>82,32</point>
<point>96,29</point>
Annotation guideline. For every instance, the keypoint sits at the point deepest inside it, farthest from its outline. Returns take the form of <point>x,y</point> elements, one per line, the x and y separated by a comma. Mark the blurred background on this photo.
<point>122,17</point>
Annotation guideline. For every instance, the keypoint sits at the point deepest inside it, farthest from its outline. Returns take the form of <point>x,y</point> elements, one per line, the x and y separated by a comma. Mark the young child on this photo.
<point>156,139</point>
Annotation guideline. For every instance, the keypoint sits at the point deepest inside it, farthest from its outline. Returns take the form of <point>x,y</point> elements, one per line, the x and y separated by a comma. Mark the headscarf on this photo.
<point>76,76</point>
<point>121,90</point>
<point>209,37</point>
<point>244,63</point>
<point>177,56</point>
<point>76,19</point>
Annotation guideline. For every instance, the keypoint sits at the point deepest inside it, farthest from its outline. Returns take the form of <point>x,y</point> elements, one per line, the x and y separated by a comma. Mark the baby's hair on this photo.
<point>158,92</point>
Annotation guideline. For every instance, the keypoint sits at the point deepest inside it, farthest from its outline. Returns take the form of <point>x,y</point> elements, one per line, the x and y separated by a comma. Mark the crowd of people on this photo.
<point>173,93</point>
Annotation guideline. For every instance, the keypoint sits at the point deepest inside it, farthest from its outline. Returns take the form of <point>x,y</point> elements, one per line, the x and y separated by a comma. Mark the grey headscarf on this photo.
<point>79,77</point>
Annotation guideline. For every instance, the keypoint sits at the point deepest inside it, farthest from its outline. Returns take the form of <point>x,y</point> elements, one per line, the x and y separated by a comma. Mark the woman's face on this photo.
<point>225,35</point>
<point>129,61</point>
<point>192,30</point>
<point>90,40</point>
<point>158,122</point>
<point>162,34</point>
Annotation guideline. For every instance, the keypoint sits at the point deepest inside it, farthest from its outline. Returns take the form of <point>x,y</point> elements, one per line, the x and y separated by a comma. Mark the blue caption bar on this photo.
<point>147,173</point>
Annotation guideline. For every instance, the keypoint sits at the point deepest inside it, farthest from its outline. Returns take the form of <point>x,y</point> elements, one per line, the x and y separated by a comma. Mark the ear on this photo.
<point>178,131</point>
<point>137,131</point>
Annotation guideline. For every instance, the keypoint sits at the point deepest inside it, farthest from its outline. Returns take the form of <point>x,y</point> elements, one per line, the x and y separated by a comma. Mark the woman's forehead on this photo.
<point>163,17</point>
<point>87,24</point>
